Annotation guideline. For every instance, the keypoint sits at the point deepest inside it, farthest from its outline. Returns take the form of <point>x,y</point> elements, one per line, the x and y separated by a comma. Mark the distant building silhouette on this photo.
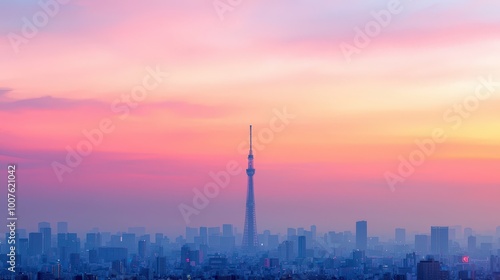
<point>302,247</point>
<point>421,244</point>
<point>400,236</point>
<point>439,240</point>
<point>361,235</point>
<point>35,244</point>
<point>471,244</point>
<point>431,270</point>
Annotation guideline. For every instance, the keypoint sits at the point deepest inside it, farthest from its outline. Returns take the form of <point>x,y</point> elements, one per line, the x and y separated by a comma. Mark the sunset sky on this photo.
<point>352,118</point>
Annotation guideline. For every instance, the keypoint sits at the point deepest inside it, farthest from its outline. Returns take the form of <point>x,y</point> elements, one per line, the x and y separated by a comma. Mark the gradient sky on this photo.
<point>352,119</point>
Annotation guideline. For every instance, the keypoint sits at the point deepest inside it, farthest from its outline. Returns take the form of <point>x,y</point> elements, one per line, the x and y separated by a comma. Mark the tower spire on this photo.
<point>251,145</point>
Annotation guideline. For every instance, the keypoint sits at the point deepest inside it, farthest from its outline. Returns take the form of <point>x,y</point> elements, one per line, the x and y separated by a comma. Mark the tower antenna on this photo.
<point>251,145</point>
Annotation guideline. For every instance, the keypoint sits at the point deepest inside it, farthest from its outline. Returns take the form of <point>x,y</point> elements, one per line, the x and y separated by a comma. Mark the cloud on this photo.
<point>46,103</point>
<point>4,91</point>
<point>179,108</point>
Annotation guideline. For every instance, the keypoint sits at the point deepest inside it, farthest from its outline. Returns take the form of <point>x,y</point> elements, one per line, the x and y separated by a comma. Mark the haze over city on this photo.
<point>352,120</point>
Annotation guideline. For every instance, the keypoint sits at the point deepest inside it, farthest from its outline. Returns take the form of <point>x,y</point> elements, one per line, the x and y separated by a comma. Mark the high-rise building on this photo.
<point>92,241</point>
<point>46,231</point>
<point>159,239</point>
<point>204,235</point>
<point>313,232</point>
<point>185,256</point>
<point>161,266</point>
<point>250,240</point>
<point>495,264</point>
<point>128,241</point>
<point>467,232</point>
<point>273,241</point>
<point>302,247</point>
<point>227,230</point>
<point>141,249</point>
<point>421,244</point>
<point>214,231</point>
<point>72,243</point>
<point>361,235</point>
<point>400,236</point>
<point>35,243</point>
<point>471,244</point>
<point>191,233</point>
<point>429,270</point>
<point>439,240</point>
<point>286,251</point>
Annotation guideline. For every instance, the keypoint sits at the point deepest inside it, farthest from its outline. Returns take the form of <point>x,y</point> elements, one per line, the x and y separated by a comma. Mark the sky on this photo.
<point>385,111</point>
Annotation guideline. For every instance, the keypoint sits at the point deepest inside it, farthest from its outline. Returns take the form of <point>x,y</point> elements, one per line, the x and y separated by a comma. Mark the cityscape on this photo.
<point>248,140</point>
<point>221,252</point>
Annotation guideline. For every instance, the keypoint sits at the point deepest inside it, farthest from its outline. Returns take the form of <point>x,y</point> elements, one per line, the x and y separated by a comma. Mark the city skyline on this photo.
<point>435,233</point>
<point>159,103</point>
<point>54,251</point>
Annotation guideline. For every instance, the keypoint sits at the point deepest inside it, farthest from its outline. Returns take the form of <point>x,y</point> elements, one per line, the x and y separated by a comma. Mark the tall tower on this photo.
<point>361,235</point>
<point>250,233</point>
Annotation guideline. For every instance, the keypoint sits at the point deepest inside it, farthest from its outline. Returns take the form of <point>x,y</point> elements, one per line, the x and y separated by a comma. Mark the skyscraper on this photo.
<point>429,270</point>
<point>361,235</point>
<point>421,244</point>
<point>302,247</point>
<point>400,234</point>
<point>439,240</point>
<point>227,230</point>
<point>250,233</point>
<point>47,238</point>
<point>35,243</point>
<point>471,244</point>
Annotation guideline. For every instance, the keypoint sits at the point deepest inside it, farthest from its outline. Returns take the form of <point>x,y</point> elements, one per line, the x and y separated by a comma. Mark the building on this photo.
<point>142,248</point>
<point>185,254</point>
<point>421,244</point>
<point>191,233</point>
<point>35,243</point>
<point>92,241</point>
<point>227,230</point>
<point>161,266</point>
<point>439,240</point>
<point>400,236</point>
<point>286,251</point>
<point>431,270</point>
<point>361,235</point>
<point>204,235</point>
<point>110,254</point>
<point>302,247</point>
<point>471,244</point>
<point>46,232</point>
